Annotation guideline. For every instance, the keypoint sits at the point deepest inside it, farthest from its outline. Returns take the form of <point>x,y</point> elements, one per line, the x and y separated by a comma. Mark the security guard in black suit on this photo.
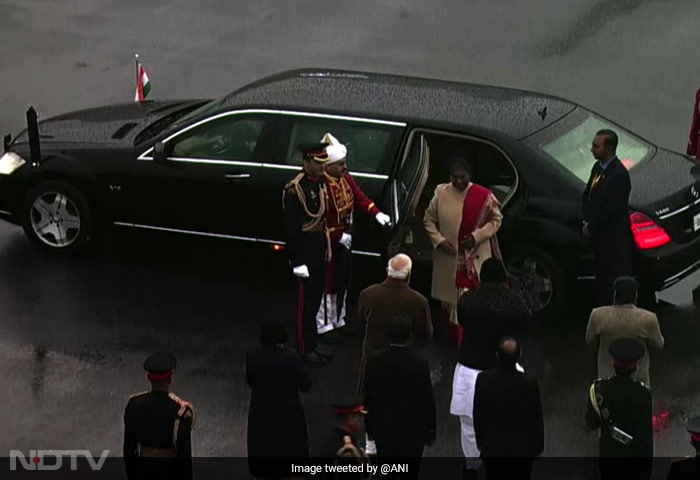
<point>606,221</point>
<point>157,425</point>
<point>689,467</point>
<point>306,239</point>
<point>621,408</point>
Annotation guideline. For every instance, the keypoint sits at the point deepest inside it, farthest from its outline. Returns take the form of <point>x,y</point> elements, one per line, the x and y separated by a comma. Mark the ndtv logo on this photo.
<point>37,457</point>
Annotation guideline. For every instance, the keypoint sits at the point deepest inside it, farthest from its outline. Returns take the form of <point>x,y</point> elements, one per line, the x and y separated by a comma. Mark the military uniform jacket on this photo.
<point>343,195</point>
<point>158,422</point>
<point>304,205</point>
<point>628,404</point>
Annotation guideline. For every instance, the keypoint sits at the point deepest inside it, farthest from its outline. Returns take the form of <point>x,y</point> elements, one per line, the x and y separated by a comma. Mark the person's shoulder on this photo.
<point>370,290</point>
<point>289,187</point>
<point>642,387</point>
<point>479,188</point>
<point>441,188</point>
<point>185,410</point>
<point>601,382</point>
<point>604,312</point>
<point>646,315</point>
<point>416,294</point>
<point>136,399</point>
<point>349,178</point>
<point>488,375</point>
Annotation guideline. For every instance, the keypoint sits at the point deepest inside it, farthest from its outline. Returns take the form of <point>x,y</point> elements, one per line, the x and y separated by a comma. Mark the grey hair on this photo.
<point>399,266</point>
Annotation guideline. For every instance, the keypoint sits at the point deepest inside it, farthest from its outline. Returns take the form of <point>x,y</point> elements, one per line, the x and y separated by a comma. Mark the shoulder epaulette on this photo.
<point>137,395</point>
<point>186,410</point>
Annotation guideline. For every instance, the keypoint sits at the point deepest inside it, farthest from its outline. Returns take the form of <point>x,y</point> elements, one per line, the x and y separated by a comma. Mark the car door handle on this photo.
<point>237,176</point>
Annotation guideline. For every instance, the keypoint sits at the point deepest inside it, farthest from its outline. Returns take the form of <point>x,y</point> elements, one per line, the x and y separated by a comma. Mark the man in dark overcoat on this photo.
<point>277,432</point>
<point>606,216</point>
<point>381,302</point>
<point>488,313</point>
<point>401,416</point>
<point>508,420</point>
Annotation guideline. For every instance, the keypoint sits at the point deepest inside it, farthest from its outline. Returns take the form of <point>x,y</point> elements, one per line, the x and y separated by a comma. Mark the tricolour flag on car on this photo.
<point>143,86</point>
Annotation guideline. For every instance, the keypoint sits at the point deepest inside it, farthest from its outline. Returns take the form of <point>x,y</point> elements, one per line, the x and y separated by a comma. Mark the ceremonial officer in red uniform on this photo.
<point>694,137</point>
<point>343,196</point>
<point>158,424</point>
<point>306,238</point>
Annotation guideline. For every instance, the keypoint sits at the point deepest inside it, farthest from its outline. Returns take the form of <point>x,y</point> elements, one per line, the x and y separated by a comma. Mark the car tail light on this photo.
<point>277,247</point>
<point>647,234</point>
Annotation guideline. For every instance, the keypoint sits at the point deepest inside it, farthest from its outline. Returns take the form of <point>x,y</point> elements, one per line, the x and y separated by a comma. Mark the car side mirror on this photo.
<point>160,153</point>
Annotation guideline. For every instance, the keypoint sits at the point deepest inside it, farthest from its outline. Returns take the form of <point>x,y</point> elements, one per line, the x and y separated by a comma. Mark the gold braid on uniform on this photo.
<point>186,412</point>
<point>316,218</point>
<point>343,199</point>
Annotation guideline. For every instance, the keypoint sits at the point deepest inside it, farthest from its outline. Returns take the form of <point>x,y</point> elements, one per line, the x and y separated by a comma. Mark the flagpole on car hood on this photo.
<point>33,134</point>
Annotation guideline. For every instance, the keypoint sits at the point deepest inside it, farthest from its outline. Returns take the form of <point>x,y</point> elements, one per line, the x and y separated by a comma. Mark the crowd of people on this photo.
<point>498,404</point>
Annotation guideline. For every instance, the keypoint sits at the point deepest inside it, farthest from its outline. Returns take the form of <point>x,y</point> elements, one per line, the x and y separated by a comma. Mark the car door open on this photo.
<point>405,188</point>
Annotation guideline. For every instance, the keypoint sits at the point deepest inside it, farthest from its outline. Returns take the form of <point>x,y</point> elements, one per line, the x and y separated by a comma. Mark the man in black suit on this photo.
<point>401,416</point>
<point>508,419</point>
<point>606,220</point>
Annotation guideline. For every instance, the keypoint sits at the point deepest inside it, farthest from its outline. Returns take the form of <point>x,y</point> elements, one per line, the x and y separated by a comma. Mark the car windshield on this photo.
<point>162,123</point>
<point>202,110</point>
<point>569,143</point>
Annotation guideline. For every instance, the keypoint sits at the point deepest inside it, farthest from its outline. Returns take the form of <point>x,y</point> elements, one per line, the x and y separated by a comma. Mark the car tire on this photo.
<point>541,281</point>
<point>57,218</point>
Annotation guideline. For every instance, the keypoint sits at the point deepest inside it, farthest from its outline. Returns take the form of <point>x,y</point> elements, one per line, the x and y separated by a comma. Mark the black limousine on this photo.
<point>217,168</point>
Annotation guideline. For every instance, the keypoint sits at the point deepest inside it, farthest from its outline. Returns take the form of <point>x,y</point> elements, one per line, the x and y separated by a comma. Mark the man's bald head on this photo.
<point>399,267</point>
<point>508,351</point>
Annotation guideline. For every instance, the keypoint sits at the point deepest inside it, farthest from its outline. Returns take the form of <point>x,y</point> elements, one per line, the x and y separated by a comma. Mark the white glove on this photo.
<point>346,240</point>
<point>302,271</point>
<point>383,219</point>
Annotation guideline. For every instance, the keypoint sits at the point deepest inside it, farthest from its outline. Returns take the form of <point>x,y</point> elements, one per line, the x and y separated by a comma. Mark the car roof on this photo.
<point>517,113</point>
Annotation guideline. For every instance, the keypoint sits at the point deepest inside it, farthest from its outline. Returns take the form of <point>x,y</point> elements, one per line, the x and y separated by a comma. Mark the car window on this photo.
<point>371,147</point>
<point>410,172</point>
<point>229,138</point>
<point>571,146</point>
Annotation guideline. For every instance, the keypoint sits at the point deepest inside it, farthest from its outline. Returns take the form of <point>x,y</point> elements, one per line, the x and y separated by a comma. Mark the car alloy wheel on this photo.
<point>535,281</point>
<point>55,219</point>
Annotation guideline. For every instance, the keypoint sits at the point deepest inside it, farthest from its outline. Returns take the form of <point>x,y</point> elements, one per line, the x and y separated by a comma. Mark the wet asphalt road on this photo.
<point>73,334</point>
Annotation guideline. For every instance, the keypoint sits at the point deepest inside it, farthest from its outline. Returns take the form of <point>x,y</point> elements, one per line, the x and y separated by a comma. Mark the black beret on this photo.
<point>626,350</point>
<point>160,362</point>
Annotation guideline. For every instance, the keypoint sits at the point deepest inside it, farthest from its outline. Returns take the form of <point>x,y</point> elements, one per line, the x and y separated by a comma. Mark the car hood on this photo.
<point>114,124</point>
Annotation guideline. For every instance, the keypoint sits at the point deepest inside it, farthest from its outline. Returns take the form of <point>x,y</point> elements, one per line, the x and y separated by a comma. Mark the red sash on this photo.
<point>477,205</point>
